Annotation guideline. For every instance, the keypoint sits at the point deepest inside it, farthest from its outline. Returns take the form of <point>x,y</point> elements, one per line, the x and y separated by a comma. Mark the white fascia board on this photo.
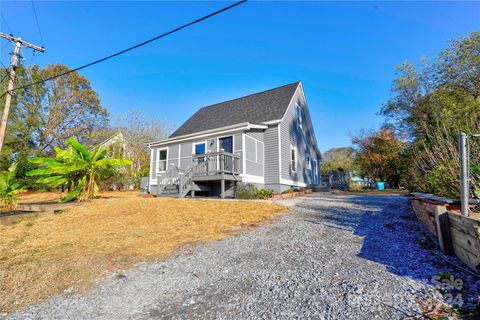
<point>202,134</point>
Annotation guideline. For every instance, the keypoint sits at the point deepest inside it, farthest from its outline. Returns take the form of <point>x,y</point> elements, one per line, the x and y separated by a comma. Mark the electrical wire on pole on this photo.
<point>130,48</point>
<point>13,66</point>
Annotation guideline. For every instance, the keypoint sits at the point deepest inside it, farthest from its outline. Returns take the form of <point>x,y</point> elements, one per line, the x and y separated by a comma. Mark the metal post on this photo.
<point>222,188</point>
<point>464,173</point>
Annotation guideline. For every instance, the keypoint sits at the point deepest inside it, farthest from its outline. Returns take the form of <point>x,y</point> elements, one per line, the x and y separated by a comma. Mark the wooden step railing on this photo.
<point>175,176</point>
<point>169,177</point>
<point>185,183</point>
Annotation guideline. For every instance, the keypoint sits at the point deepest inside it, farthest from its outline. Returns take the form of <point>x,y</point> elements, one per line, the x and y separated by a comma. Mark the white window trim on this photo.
<point>309,162</point>
<point>152,177</point>
<point>158,160</point>
<point>293,148</point>
<point>197,143</point>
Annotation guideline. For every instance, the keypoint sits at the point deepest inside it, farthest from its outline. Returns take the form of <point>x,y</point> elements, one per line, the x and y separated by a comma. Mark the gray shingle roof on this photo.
<point>255,108</point>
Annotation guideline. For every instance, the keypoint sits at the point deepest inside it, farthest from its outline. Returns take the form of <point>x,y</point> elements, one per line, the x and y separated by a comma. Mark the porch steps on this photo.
<point>171,191</point>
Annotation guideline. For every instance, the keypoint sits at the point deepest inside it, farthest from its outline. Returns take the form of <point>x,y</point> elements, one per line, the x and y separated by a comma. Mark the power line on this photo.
<point>130,48</point>
<point>7,74</point>
<point>38,25</point>
<point>6,23</point>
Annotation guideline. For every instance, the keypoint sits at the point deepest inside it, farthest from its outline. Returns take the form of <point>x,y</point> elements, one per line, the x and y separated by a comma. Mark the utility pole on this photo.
<point>13,66</point>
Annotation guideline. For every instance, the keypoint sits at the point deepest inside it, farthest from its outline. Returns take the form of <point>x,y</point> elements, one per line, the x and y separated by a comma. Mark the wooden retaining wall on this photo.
<point>465,235</point>
<point>456,234</point>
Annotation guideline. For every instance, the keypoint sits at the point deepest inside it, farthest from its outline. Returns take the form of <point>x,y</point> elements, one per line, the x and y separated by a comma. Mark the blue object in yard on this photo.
<point>381,185</point>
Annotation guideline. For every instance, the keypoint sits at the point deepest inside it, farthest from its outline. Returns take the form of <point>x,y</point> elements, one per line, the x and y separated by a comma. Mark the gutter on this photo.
<point>201,134</point>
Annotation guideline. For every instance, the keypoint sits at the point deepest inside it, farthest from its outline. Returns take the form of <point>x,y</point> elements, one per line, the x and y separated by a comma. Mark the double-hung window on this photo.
<point>309,163</point>
<point>299,115</point>
<point>293,158</point>
<point>162,160</point>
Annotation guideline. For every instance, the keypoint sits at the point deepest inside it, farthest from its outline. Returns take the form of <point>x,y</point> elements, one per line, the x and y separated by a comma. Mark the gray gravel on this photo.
<point>330,257</point>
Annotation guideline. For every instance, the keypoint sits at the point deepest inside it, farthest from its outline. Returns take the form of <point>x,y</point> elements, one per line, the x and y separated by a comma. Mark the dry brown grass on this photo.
<point>45,256</point>
<point>55,196</point>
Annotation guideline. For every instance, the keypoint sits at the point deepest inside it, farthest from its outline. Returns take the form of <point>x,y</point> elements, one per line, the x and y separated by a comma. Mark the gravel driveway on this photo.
<point>332,256</point>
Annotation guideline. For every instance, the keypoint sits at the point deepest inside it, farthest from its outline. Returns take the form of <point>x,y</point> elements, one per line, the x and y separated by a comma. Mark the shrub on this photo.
<point>440,181</point>
<point>263,193</point>
<point>289,190</point>
<point>245,191</point>
<point>249,191</point>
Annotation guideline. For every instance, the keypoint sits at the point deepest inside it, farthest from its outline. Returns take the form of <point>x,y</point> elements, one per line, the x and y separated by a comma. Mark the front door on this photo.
<point>225,143</point>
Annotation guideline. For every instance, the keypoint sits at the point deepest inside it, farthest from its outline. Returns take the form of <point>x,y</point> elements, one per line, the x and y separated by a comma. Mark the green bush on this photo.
<point>441,182</point>
<point>263,193</point>
<point>289,190</point>
<point>245,191</point>
<point>249,191</point>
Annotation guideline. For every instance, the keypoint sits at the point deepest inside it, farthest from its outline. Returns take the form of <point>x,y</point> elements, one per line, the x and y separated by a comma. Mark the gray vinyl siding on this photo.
<point>258,135</point>
<point>302,138</point>
<point>271,153</point>
<point>237,142</point>
<point>253,168</point>
<point>185,162</point>
<point>250,146</point>
<point>173,152</point>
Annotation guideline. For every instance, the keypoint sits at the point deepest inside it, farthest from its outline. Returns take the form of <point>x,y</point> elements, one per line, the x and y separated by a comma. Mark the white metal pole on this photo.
<point>464,173</point>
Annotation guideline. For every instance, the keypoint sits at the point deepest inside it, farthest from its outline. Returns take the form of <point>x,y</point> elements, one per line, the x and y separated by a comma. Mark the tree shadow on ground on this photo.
<point>392,235</point>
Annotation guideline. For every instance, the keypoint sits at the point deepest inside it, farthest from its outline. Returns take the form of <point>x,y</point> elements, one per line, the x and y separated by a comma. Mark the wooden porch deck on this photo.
<point>215,166</point>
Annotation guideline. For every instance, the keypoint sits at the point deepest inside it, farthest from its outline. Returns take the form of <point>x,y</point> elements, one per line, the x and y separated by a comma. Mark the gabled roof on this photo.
<point>255,108</point>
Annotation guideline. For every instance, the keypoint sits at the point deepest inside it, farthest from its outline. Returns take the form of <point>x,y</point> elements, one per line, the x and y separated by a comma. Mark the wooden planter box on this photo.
<point>456,234</point>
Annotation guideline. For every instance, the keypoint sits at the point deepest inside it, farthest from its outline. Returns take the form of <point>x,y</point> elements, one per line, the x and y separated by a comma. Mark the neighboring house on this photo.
<point>265,139</point>
<point>116,147</point>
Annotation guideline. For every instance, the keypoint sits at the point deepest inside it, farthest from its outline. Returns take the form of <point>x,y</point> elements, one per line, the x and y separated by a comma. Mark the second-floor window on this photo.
<point>309,162</point>
<point>299,116</point>
<point>293,158</point>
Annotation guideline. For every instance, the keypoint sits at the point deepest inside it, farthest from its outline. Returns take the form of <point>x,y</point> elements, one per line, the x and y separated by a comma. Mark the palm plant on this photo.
<point>8,188</point>
<point>76,168</point>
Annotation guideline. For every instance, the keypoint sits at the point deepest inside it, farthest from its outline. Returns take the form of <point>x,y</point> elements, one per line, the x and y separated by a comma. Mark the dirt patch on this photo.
<point>46,255</point>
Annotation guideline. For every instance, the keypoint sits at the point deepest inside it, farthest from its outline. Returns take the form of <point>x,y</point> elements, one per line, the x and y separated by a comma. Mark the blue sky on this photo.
<point>345,53</point>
